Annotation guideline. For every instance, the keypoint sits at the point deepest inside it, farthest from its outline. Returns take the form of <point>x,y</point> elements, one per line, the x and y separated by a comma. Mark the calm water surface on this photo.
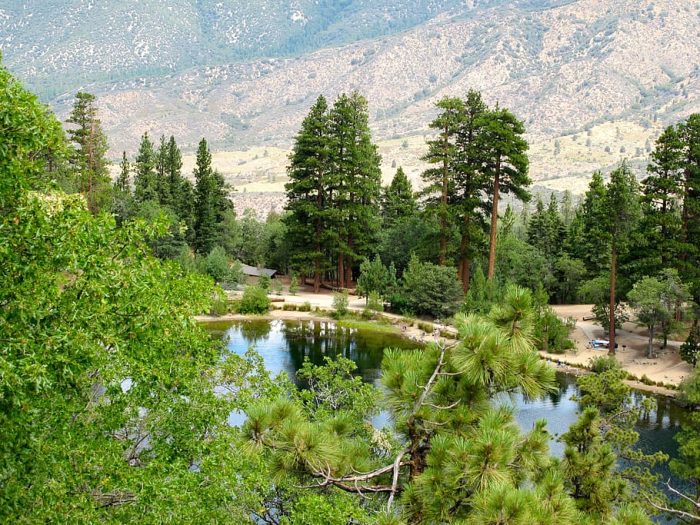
<point>284,345</point>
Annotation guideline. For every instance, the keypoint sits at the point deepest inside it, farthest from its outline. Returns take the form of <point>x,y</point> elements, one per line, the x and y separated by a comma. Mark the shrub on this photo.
<point>276,287</point>
<point>289,307</point>
<point>602,364</point>
<point>294,284</point>
<point>306,307</point>
<point>430,289</point>
<point>264,282</point>
<point>340,304</point>
<point>254,301</point>
<point>219,306</point>
<point>426,327</point>
<point>217,264</point>
<point>690,350</point>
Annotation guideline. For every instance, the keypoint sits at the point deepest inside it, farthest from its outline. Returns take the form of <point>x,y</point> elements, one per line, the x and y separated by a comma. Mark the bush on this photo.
<point>340,304</point>
<point>374,305</point>
<point>264,282</point>
<point>426,327</point>
<point>288,307</point>
<point>294,284</point>
<point>429,289</point>
<point>219,305</point>
<point>305,307</point>
<point>602,364</point>
<point>690,350</point>
<point>254,301</point>
<point>217,264</point>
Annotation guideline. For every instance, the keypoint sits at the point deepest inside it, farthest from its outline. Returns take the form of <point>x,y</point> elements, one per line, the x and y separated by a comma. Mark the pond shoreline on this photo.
<point>417,335</point>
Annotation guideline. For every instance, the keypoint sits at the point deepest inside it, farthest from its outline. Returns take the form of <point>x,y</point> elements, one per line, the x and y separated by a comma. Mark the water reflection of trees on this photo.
<point>254,331</point>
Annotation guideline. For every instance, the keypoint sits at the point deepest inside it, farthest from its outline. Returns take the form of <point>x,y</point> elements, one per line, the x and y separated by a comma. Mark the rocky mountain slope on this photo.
<point>594,80</point>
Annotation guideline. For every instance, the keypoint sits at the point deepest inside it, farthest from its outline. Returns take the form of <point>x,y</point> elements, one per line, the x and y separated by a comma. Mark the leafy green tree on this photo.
<point>89,158</point>
<point>647,300</point>
<point>398,201</point>
<point>569,275</point>
<point>597,292</point>
<point>254,301</point>
<point>506,167</point>
<point>145,178</point>
<point>430,289</point>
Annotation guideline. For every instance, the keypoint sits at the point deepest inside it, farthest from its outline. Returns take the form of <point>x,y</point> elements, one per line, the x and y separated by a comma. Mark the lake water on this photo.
<point>284,345</point>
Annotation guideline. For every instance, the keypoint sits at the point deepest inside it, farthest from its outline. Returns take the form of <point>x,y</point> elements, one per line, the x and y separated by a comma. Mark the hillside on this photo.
<point>594,80</point>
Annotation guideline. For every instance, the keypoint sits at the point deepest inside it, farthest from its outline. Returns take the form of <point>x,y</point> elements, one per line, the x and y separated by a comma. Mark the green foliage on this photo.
<point>254,301</point>
<point>294,284</point>
<point>265,282</point>
<point>375,278</point>
<point>603,363</point>
<point>690,349</point>
<point>340,304</point>
<point>89,154</point>
<point>429,289</point>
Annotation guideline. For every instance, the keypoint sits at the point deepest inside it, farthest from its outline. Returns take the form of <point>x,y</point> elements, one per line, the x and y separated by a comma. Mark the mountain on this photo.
<point>594,80</point>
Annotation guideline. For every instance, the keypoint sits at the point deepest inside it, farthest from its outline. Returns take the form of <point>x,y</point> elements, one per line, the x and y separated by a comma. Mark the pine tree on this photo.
<point>471,183</point>
<point>593,242</point>
<point>308,192</point>
<point>398,202</point>
<point>662,200</point>
<point>506,164</point>
<point>211,200</point>
<point>163,182</point>
<point>355,183</point>
<point>89,158</point>
<point>443,154</point>
<point>175,180</point>
<point>622,214</point>
<point>145,180</point>
<point>122,198</point>
<point>123,180</point>
<point>689,132</point>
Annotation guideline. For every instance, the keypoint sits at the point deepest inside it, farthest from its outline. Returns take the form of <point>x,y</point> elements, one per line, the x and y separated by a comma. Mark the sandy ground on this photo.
<point>667,367</point>
<point>632,340</point>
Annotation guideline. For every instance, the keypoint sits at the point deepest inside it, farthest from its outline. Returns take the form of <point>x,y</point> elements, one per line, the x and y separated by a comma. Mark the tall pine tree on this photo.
<point>211,200</point>
<point>506,165</point>
<point>307,193</point>
<point>146,180</point>
<point>355,184</point>
<point>89,158</point>
<point>443,155</point>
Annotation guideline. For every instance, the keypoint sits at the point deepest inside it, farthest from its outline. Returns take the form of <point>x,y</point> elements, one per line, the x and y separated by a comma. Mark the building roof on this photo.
<point>252,271</point>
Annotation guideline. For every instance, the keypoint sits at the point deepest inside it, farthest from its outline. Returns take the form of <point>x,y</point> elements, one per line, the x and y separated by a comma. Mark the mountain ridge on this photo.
<point>594,80</point>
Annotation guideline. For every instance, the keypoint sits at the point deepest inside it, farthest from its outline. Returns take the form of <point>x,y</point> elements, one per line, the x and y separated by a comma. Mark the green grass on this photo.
<point>360,324</point>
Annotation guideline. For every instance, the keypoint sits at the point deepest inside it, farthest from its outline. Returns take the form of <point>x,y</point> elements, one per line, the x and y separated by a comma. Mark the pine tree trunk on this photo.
<point>317,275</point>
<point>613,284</point>
<point>494,222</point>
<point>341,271</point>
<point>464,262</point>
<point>650,347</point>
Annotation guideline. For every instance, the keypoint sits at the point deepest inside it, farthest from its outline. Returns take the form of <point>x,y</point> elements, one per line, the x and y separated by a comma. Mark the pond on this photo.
<point>284,345</point>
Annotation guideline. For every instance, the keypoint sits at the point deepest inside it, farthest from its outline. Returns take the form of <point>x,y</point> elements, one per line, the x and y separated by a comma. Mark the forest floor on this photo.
<point>665,369</point>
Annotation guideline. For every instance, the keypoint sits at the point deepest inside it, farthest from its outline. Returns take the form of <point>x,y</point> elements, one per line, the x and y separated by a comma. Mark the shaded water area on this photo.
<point>284,345</point>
